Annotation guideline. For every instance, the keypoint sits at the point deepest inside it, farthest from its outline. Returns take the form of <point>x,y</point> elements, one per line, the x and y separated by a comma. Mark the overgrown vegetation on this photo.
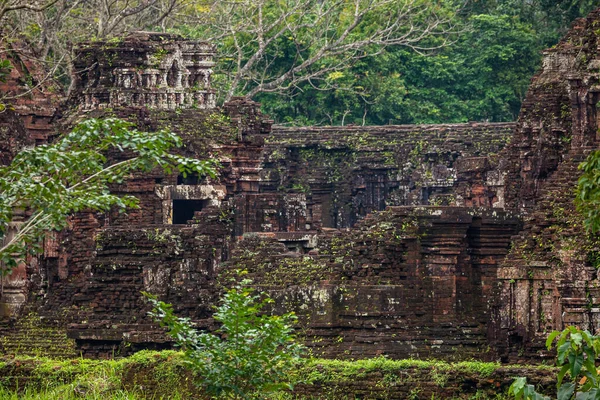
<point>577,351</point>
<point>41,377</point>
<point>164,375</point>
<point>588,192</point>
<point>483,75</point>
<point>250,351</point>
<point>314,62</point>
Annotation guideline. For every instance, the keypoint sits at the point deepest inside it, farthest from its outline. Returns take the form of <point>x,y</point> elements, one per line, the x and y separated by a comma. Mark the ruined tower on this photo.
<point>549,280</point>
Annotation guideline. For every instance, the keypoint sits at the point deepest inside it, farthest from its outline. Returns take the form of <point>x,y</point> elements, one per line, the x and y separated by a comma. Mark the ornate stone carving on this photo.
<point>156,70</point>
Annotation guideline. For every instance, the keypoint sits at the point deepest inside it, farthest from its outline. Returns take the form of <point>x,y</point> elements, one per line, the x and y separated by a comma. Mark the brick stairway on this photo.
<point>30,336</point>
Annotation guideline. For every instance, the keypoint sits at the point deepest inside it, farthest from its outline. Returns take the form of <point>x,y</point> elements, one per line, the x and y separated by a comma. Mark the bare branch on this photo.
<point>24,5</point>
<point>265,45</point>
<point>327,36</point>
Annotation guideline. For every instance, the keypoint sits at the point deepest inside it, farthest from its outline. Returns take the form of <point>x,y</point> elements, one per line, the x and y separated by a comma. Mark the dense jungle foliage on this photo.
<point>482,75</point>
<point>333,62</point>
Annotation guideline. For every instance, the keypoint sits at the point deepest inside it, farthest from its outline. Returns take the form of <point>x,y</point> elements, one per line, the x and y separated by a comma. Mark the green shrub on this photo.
<point>577,352</point>
<point>250,352</point>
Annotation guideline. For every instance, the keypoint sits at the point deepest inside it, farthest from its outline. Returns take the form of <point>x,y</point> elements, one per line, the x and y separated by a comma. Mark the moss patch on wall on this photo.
<point>34,337</point>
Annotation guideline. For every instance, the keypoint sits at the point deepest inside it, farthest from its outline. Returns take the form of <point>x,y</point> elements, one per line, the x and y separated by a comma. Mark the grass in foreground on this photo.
<point>164,375</point>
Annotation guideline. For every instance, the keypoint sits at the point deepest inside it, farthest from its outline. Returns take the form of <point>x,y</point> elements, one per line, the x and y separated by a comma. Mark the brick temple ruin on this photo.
<point>454,241</point>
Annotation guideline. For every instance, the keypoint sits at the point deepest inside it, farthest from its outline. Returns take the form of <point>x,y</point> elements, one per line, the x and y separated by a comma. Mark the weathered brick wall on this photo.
<point>406,282</point>
<point>30,91</point>
<point>103,262</point>
<point>13,135</point>
<point>95,291</point>
<point>348,172</point>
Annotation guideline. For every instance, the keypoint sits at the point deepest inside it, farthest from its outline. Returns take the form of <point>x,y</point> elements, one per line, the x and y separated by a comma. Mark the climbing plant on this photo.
<point>588,192</point>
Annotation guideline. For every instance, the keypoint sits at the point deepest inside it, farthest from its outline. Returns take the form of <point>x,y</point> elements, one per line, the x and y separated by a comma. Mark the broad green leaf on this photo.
<point>516,388</point>
<point>576,363</point>
<point>563,351</point>
<point>576,338</point>
<point>565,391</point>
<point>551,338</point>
<point>561,374</point>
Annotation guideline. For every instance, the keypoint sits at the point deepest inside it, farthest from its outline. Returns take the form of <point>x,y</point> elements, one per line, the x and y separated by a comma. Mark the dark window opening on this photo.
<point>94,77</point>
<point>183,210</point>
<point>296,246</point>
<point>190,179</point>
<point>426,192</point>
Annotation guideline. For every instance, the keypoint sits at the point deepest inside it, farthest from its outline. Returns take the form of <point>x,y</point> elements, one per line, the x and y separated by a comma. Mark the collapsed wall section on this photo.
<point>30,91</point>
<point>405,282</point>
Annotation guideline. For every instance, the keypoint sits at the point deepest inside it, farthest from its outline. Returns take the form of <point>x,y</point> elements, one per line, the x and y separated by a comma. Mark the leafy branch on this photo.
<point>45,184</point>
<point>577,351</point>
<point>588,192</point>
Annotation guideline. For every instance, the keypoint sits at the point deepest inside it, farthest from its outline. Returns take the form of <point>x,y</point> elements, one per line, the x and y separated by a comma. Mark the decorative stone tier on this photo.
<point>155,70</point>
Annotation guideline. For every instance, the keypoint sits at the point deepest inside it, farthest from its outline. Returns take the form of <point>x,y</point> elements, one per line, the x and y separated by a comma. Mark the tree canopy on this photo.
<point>333,62</point>
<point>481,75</point>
